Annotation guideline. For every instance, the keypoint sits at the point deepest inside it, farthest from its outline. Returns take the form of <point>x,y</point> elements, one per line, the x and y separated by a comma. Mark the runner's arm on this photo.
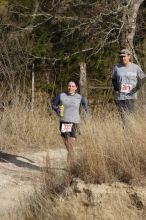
<point>114,80</point>
<point>141,79</point>
<point>55,104</point>
<point>84,105</point>
<point>138,86</point>
<point>115,85</point>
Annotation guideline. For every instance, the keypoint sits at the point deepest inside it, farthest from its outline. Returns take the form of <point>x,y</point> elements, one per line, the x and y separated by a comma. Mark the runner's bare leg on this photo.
<point>70,144</point>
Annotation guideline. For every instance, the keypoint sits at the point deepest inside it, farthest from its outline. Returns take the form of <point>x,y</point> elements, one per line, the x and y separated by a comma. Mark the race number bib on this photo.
<point>66,127</point>
<point>126,88</point>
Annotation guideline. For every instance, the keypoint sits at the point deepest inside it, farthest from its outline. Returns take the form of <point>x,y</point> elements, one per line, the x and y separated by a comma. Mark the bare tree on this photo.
<point>85,27</point>
<point>130,13</point>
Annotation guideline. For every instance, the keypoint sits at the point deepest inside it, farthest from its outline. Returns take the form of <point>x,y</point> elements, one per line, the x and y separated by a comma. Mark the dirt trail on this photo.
<point>17,173</point>
<point>105,201</point>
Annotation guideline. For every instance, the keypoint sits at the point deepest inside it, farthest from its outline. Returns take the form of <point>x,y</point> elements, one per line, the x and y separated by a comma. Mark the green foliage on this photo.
<point>42,45</point>
<point>59,38</point>
<point>26,3</point>
<point>3,6</point>
<point>3,3</point>
<point>45,86</point>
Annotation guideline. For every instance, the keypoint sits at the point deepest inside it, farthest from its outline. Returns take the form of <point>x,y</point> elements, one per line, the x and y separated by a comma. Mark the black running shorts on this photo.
<point>69,129</point>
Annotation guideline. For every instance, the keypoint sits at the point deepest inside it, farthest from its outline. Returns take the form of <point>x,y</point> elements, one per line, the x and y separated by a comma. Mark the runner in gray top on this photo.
<point>127,78</point>
<point>67,105</point>
<point>71,103</point>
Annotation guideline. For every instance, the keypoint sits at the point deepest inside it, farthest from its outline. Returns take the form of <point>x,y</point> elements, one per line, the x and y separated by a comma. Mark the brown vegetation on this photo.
<point>107,154</point>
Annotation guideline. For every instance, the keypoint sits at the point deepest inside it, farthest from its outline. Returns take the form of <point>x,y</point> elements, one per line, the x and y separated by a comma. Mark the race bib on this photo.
<point>66,127</point>
<point>126,88</point>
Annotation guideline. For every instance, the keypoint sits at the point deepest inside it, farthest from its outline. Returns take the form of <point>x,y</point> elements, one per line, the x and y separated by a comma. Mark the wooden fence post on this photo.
<point>83,79</point>
<point>32,91</point>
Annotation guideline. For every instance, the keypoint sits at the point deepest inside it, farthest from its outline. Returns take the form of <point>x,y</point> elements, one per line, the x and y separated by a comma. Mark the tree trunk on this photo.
<point>30,27</point>
<point>83,79</point>
<point>129,25</point>
<point>128,32</point>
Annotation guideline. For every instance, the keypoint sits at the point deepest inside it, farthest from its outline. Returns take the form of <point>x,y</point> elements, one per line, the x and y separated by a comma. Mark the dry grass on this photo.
<point>107,153</point>
<point>22,129</point>
<point>45,204</point>
<point>111,153</point>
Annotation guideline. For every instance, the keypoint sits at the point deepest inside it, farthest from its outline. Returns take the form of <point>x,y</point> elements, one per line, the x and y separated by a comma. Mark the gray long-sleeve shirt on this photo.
<point>127,79</point>
<point>71,105</point>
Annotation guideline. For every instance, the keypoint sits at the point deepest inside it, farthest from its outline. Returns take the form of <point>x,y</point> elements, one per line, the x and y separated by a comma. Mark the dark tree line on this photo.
<point>57,36</point>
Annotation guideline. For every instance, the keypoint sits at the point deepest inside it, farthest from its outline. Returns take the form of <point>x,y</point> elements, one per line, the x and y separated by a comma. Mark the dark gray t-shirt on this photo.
<point>71,105</point>
<point>126,78</point>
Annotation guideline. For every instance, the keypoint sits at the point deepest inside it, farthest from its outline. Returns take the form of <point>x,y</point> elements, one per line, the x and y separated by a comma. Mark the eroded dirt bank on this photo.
<point>82,201</point>
<point>106,201</point>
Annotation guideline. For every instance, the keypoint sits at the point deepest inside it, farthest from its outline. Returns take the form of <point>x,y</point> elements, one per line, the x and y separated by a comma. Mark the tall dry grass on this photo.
<point>20,128</point>
<point>107,152</point>
<point>110,152</point>
<point>46,201</point>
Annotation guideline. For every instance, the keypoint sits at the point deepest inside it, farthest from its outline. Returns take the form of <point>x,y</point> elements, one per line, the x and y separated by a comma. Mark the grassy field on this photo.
<point>107,153</point>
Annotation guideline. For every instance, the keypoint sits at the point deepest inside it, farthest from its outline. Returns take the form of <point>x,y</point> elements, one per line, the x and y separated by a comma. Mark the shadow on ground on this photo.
<point>18,161</point>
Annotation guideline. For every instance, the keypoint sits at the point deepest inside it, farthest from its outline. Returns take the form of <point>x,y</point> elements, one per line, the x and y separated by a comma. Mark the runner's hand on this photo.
<point>131,92</point>
<point>61,108</point>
